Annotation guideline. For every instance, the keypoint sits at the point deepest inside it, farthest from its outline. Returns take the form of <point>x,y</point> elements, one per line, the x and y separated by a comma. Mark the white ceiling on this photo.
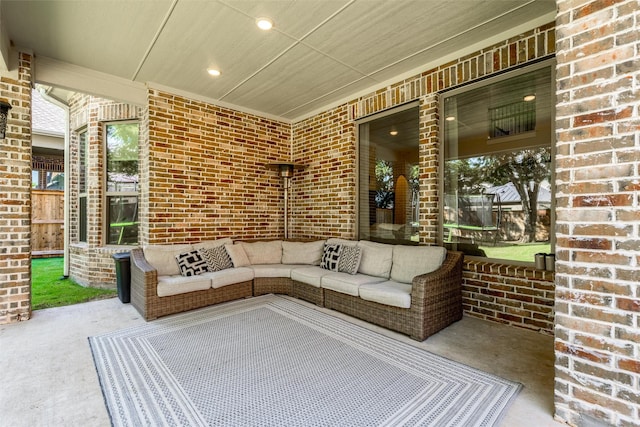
<point>320,52</point>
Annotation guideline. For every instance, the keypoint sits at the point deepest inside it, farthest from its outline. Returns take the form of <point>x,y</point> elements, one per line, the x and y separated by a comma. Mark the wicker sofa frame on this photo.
<point>436,297</point>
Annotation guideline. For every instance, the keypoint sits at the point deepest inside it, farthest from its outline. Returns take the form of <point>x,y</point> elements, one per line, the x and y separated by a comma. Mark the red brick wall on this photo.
<point>207,172</point>
<point>598,239</point>
<point>517,296</point>
<point>15,195</point>
<point>324,194</point>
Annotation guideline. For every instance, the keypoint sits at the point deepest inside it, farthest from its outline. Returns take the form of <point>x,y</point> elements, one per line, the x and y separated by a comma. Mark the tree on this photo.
<point>384,184</point>
<point>122,145</point>
<point>525,169</point>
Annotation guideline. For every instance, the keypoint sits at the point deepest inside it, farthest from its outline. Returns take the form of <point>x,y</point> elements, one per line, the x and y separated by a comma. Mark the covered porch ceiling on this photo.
<point>319,53</point>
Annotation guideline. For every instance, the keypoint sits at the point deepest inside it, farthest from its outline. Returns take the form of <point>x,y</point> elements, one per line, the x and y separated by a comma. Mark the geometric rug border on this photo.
<point>172,404</point>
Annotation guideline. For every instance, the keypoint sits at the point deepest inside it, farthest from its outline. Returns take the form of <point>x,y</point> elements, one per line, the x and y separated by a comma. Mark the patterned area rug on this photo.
<point>271,361</point>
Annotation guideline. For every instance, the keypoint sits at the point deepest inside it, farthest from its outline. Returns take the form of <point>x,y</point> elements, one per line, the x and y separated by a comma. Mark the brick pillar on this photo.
<point>598,242</point>
<point>15,196</point>
<point>429,152</point>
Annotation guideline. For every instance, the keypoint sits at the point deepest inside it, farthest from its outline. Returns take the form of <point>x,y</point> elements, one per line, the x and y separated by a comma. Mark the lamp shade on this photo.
<point>285,169</point>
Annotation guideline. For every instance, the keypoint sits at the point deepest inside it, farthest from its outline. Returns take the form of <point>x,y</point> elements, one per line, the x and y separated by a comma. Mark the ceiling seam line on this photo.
<point>155,39</point>
<point>449,38</point>
<point>298,41</point>
<point>259,70</point>
<point>326,94</point>
<point>370,75</point>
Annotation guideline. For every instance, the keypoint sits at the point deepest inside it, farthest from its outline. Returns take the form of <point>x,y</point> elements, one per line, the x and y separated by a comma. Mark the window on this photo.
<point>82,186</point>
<point>122,183</point>
<point>388,176</point>
<point>47,180</point>
<point>497,181</point>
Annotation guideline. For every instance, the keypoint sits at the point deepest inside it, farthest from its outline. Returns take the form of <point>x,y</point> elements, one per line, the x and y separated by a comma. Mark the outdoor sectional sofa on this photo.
<point>415,290</point>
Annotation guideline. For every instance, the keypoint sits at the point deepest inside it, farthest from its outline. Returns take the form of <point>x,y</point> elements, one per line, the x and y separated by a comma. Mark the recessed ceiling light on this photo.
<point>213,72</point>
<point>529,98</point>
<point>264,23</point>
<point>450,118</point>
<point>393,133</point>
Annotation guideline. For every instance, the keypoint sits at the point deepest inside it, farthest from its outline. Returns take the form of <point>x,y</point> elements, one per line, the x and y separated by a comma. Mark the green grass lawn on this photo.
<point>523,252</point>
<point>50,289</point>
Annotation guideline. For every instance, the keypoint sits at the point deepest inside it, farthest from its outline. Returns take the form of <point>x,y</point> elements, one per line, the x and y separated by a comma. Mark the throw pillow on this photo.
<point>191,263</point>
<point>349,259</point>
<point>217,258</point>
<point>331,257</point>
<point>238,255</point>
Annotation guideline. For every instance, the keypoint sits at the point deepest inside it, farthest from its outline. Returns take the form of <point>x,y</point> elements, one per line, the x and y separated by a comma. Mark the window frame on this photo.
<point>105,182</point>
<point>83,226</point>
<point>366,119</point>
<point>476,84</point>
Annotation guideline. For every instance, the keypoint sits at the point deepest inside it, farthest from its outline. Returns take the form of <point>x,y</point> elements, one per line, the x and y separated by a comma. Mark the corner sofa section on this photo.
<point>415,290</point>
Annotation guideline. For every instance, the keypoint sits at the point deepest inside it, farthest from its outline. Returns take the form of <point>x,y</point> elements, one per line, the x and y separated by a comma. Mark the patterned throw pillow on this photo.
<point>216,258</point>
<point>350,259</point>
<point>191,263</point>
<point>331,257</point>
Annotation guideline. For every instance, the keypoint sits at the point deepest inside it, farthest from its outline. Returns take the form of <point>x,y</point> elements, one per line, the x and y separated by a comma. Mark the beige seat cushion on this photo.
<point>387,293</point>
<point>309,275</point>
<point>309,253</point>
<point>347,283</point>
<point>163,257</point>
<point>376,259</point>
<point>174,285</point>
<point>263,252</point>
<point>230,276</point>
<point>411,261</point>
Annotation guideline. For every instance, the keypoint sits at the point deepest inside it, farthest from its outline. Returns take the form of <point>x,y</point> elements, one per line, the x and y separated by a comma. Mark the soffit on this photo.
<point>320,51</point>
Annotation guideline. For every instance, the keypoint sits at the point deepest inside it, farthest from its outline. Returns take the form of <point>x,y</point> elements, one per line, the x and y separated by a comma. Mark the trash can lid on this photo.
<point>122,255</point>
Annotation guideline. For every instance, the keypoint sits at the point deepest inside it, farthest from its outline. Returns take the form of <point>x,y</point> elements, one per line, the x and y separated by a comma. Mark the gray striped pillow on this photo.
<point>217,258</point>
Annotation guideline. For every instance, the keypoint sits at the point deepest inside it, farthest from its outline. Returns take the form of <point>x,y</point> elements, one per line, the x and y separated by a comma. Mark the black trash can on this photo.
<point>123,275</point>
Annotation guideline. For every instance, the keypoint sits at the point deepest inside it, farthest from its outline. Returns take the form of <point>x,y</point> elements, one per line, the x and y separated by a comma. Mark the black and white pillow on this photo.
<point>216,258</point>
<point>350,259</point>
<point>331,257</point>
<point>191,263</point>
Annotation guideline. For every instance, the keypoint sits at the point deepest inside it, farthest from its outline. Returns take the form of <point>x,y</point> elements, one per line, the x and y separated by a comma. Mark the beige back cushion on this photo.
<point>263,252</point>
<point>210,244</point>
<point>163,257</point>
<point>412,261</point>
<point>238,255</point>
<point>339,241</point>
<point>376,259</point>
<point>309,253</point>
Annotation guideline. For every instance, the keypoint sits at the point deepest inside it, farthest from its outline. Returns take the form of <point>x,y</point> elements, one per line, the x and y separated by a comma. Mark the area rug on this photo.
<point>272,361</point>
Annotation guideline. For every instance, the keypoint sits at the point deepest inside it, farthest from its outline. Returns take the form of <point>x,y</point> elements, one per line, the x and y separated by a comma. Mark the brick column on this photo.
<point>15,196</point>
<point>598,241</point>
<point>429,149</point>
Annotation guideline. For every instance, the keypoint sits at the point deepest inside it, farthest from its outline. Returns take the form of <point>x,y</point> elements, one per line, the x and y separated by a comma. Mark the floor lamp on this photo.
<point>286,172</point>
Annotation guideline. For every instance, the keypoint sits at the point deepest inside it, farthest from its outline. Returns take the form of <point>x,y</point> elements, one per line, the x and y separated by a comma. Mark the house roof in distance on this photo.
<point>48,118</point>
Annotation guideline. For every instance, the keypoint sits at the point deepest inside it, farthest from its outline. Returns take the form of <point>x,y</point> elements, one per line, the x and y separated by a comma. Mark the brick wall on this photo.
<point>324,193</point>
<point>513,295</point>
<point>15,196</point>
<point>207,175</point>
<point>91,262</point>
<point>598,241</point>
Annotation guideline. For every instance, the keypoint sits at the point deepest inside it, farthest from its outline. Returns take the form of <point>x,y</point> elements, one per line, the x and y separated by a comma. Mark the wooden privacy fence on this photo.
<point>47,221</point>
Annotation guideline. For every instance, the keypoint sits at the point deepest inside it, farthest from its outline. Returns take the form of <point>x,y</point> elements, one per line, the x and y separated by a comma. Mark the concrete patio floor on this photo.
<point>48,376</point>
